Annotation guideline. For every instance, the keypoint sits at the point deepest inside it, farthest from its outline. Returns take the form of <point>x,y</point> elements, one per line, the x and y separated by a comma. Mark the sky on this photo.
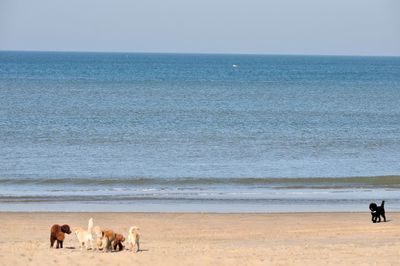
<point>329,27</point>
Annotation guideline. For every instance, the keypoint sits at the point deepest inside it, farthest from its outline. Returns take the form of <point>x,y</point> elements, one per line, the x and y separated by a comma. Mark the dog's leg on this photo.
<point>384,217</point>
<point>104,244</point>
<point>99,244</point>
<point>58,244</point>
<point>52,240</point>
<point>61,243</point>
<point>108,245</point>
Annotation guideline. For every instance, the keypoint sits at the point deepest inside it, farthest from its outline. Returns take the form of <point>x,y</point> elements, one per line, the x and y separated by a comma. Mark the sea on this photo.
<point>198,132</point>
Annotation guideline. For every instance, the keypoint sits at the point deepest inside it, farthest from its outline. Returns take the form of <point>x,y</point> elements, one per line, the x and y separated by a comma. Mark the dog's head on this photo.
<point>65,229</point>
<point>373,207</point>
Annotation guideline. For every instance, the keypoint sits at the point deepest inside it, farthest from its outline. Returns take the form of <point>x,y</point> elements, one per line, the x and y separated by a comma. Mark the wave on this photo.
<point>322,182</point>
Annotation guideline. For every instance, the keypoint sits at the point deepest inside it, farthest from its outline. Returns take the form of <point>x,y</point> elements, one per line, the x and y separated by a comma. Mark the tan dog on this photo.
<point>107,238</point>
<point>133,238</point>
<point>85,238</point>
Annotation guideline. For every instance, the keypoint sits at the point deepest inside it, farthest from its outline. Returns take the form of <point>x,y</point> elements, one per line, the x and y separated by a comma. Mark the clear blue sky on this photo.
<point>348,27</point>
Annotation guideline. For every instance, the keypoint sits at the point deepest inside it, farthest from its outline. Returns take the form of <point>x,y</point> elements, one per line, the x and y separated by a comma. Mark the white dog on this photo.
<point>133,238</point>
<point>85,238</point>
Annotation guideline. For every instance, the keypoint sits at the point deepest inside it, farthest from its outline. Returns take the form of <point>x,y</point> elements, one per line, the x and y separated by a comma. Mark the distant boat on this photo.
<point>234,65</point>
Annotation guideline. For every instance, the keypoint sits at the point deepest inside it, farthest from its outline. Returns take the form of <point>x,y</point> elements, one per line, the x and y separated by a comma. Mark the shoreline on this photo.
<point>189,213</point>
<point>202,206</point>
<point>220,195</point>
<point>208,238</point>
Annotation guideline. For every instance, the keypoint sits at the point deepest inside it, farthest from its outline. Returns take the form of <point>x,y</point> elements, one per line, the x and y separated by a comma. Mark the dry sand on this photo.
<point>209,239</point>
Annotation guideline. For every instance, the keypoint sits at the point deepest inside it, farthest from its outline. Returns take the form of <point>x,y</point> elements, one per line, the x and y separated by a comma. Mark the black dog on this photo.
<point>377,212</point>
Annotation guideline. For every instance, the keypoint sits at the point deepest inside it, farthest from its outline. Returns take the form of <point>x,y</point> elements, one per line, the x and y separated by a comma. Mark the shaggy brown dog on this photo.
<point>58,232</point>
<point>118,242</point>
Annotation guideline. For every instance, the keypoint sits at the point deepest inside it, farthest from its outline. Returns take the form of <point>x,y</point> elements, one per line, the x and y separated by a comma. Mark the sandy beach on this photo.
<point>209,239</point>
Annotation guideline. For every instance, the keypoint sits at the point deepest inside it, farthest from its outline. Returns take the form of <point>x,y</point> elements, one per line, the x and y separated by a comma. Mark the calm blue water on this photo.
<point>192,132</point>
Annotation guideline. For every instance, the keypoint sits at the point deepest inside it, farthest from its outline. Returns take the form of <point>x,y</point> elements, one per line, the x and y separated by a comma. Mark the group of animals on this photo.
<point>106,240</point>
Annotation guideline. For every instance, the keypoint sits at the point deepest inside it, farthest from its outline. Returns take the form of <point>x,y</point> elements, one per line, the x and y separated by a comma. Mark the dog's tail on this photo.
<point>90,225</point>
<point>383,204</point>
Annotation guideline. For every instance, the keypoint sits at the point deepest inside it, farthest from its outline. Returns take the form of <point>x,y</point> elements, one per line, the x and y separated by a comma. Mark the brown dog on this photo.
<point>118,242</point>
<point>58,232</point>
<point>107,237</point>
<point>111,240</point>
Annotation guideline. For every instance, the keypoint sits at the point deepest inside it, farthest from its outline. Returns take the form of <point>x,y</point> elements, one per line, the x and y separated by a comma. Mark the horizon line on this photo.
<point>196,53</point>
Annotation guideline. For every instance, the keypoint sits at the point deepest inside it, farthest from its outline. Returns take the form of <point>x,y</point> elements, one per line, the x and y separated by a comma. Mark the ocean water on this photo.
<point>186,132</point>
